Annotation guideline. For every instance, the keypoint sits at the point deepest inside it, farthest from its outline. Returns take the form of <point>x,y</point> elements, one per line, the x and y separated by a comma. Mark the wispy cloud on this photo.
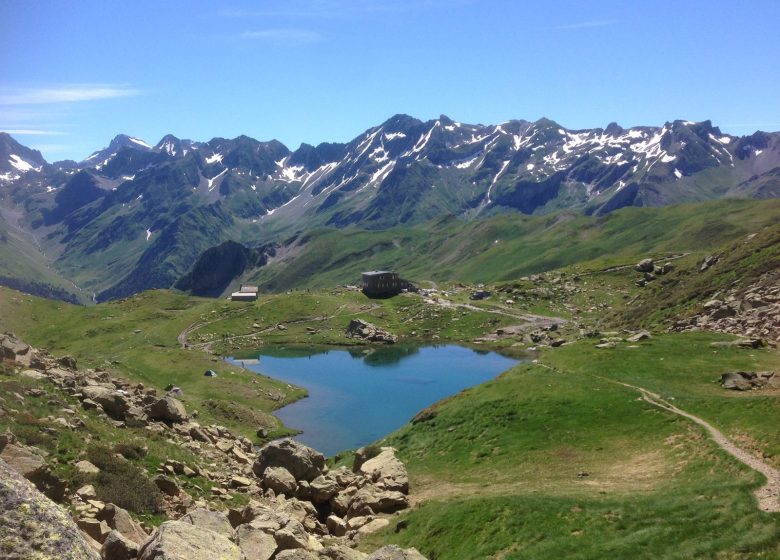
<point>32,132</point>
<point>584,24</point>
<point>295,36</point>
<point>334,8</point>
<point>64,94</point>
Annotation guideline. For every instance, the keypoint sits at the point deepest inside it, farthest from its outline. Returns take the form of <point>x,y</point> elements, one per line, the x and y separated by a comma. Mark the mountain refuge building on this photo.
<point>245,293</point>
<point>384,283</point>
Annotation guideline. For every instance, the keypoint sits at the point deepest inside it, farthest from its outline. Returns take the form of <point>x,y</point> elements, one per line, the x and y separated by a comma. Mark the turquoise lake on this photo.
<point>360,395</point>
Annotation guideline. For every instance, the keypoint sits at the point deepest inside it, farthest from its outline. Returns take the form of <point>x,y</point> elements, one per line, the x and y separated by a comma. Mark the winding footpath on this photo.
<point>768,495</point>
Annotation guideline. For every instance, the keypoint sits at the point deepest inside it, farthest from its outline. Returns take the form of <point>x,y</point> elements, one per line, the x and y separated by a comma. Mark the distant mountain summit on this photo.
<point>133,216</point>
<point>16,160</point>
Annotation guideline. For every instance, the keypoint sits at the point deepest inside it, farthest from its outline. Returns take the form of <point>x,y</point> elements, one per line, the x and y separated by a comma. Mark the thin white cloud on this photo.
<point>63,94</point>
<point>335,8</point>
<point>584,24</point>
<point>32,132</point>
<point>298,36</point>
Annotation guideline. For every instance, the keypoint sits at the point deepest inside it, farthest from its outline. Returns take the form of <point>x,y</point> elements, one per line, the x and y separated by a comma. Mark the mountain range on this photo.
<point>133,216</point>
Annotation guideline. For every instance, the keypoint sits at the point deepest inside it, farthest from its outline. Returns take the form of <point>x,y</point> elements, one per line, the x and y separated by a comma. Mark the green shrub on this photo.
<point>130,450</point>
<point>122,483</point>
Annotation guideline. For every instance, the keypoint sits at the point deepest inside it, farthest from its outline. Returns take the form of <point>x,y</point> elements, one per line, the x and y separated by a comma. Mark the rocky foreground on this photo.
<point>298,508</point>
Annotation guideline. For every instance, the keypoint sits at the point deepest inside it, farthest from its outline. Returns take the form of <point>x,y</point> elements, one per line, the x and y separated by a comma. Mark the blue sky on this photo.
<point>74,74</point>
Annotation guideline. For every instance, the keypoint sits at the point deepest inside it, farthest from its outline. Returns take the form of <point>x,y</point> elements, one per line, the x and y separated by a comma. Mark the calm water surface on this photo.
<point>357,396</point>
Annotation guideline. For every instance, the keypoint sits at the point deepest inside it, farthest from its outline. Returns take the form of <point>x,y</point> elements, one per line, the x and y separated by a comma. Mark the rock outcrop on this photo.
<point>35,527</point>
<point>364,330</point>
<point>752,312</point>
<point>178,540</point>
<point>748,380</point>
<point>302,462</point>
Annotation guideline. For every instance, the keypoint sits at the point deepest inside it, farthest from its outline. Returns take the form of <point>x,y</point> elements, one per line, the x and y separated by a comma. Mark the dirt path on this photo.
<point>769,494</point>
<point>625,266</point>
<point>535,320</point>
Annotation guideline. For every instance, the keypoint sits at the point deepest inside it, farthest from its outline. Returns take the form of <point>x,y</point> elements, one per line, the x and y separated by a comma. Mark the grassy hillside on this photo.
<point>747,261</point>
<point>508,247</point>
<point>555,460</point>
<point>25,267</point>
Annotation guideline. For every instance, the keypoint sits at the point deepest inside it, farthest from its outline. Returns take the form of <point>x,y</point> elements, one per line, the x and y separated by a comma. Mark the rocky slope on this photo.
<point>297,506</point>
<point>134,216</point>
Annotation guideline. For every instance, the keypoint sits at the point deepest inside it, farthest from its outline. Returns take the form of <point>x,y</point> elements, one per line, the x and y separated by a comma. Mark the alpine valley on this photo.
<point>440,196</point>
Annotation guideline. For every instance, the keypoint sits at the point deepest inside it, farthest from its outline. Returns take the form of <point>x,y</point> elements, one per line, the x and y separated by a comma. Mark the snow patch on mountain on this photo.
<point>21,164</point>
<point>140,143</point>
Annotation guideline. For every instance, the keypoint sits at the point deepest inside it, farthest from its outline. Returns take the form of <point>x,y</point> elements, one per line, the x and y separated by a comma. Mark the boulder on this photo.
<point>279,480</point>
<point>119,520</point>
<point>176,540</point>
<point>373,526</point>
<point>85,467</point>
<point>364,330</point>
<point>166,485</point>
<point>118,547</point>
<point>68,362</point>
<point>255,543</point>
<point>336,526</point>
<point>323,489</point>
<point>387,471</point>
<point>167,409</point>
<point>645,265</point>
<point>291,537</point>
<point>87,492</point>
<point>33,374</point>
<point>298,554</point>
<point>393,552</point>
<point>341,552</point>
<point>370,500</point>
<point>26,463</point>
<point>735,381</point>
<point>33,526</point>
<point>114,403</point>
<point>303,462</point>
<point>215,521</point>
<point>14,350</point>
<point>98,530</point>
<point>638,337</point>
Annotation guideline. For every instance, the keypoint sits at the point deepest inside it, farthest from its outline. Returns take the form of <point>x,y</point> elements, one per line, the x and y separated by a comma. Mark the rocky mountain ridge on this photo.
<point>134,216</point>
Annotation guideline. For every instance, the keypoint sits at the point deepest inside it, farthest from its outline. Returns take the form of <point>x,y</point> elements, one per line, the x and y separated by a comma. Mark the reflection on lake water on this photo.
<point>359,395</point>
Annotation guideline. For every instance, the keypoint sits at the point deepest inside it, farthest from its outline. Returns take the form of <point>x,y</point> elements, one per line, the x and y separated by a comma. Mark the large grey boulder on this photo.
<point>33,468</point>
<point>14,350</point>
<point>735,381</point>
<point>386,471</point>
<point>323,489</point>
<point>118,547</point>
<point>33,526</point>
<point>167,409</point>
<point>341,552</point>
<point>212,520</point>
<point>119,520</point>
<point>280,480</point>
<point>371,499</point>
<point>393,552</point>
<point>645,265</point>
<point>297,554</point>
<point>303,462</point>
<point>255,543</point>
<point>113,402</point>
<point>177,540</point>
